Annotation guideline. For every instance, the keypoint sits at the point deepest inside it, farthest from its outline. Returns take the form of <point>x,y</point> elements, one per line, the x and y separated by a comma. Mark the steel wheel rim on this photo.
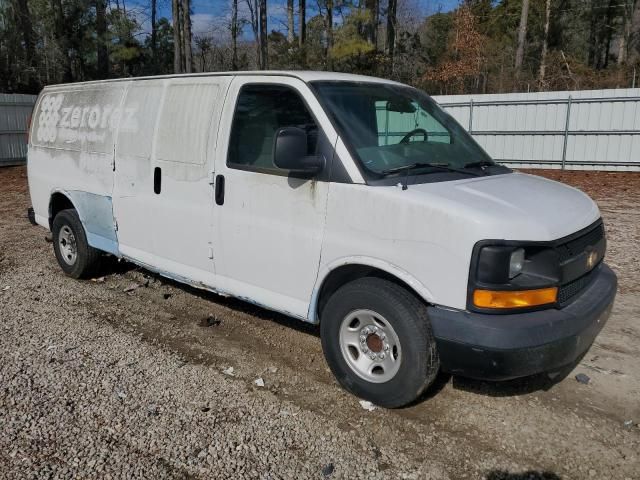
<point>370,346</point>
<point>67,245</point>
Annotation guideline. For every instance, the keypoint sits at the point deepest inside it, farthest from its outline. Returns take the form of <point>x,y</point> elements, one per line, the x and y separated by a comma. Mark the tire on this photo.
<point>393,322</point>
<point>76,258</point>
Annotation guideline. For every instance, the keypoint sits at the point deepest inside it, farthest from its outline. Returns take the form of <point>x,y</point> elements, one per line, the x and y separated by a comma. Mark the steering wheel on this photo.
<point>414,132</point>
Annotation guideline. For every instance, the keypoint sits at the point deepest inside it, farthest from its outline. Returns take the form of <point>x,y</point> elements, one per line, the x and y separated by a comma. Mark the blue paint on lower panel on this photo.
<point>102,243</point>
<point>96,214</point>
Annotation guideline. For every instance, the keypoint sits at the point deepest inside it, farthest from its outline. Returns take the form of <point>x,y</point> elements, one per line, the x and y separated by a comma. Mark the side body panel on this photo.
<point>268,233</point>
<point>71,151</point>
<point>163,197</point>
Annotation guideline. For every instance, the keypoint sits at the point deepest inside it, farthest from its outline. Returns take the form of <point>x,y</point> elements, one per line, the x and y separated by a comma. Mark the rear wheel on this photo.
<point>75,256</point>
<point>378,342</point>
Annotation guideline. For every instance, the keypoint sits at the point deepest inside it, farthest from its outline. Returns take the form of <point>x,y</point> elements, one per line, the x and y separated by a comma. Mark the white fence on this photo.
<point>14,115</point>
<point>579,130</point>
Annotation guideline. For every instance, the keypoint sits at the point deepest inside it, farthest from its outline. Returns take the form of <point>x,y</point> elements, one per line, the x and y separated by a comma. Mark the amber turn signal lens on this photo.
<point>514,298</point>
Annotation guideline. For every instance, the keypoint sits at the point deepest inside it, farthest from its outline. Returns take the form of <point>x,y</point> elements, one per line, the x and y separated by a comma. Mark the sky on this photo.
<point>209,16</point>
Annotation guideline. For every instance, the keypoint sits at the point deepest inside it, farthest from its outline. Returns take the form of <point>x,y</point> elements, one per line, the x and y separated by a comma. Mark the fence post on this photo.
<point>471,117</point>
<point>566,132</point>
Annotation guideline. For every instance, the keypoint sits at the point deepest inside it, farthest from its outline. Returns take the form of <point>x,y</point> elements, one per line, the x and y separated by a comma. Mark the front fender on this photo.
<point>402,275</point>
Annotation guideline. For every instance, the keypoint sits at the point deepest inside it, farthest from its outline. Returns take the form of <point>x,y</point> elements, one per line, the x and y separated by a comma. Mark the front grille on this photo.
<point>567,251</point>
<point>578,245</point>
<point>569,290</point>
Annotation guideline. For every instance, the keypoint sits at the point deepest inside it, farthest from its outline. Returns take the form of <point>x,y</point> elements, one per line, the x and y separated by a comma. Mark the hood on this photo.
<point>513,206</point>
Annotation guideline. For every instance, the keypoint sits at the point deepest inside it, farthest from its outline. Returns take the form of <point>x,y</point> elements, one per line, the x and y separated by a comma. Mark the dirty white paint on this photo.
<point>276,238</point>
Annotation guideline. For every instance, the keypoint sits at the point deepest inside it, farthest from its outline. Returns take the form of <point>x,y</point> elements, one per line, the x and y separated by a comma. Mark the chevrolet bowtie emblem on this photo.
<point>592,259</point>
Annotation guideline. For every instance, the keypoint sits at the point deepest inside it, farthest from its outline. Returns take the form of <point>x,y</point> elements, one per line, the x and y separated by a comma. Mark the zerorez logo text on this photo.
<point>72,123</point>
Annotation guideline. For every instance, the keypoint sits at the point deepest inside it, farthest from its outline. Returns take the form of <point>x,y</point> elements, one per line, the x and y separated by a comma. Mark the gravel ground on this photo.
<point>96,382</point>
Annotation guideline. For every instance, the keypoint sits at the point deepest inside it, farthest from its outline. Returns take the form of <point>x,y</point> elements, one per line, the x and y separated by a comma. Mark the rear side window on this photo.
<point>260,111</point>
<point>185,122</point>
<point>136,136</point>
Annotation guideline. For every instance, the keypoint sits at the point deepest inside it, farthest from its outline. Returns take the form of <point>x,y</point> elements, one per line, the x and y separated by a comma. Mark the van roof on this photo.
<point>304,75</point>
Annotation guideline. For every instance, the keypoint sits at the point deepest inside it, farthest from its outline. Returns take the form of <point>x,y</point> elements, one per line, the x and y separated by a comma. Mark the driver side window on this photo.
<point>394,126</point>
<point>260,111</point>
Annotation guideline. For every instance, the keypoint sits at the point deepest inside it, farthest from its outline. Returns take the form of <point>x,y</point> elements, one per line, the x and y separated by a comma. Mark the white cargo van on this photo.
<point>352,202</point>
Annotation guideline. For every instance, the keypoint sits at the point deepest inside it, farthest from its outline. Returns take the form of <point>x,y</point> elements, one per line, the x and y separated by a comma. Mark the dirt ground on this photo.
<point>98,382</point>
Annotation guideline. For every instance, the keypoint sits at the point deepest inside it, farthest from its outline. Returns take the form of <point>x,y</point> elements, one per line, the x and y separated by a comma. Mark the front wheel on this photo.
<point>75,256</point>
<point>378,342</point>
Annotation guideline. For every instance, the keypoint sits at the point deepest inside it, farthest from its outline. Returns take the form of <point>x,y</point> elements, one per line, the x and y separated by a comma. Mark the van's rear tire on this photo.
<point>388,321</point>
<point>75,256</point>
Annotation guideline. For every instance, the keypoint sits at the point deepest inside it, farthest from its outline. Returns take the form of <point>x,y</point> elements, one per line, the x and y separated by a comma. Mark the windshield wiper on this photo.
<point>481,163</point>
<point>437,166</point>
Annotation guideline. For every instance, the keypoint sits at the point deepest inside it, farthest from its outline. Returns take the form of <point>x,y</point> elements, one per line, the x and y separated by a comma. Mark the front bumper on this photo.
<point>503,347</point>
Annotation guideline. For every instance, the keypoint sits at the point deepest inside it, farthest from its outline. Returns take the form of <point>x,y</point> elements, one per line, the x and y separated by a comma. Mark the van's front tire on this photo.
<point>75,256</point>
<point>378,342</point>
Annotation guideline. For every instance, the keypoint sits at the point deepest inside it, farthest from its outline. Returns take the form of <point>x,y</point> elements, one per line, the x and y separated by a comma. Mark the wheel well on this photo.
<point>348,273</point>
<point>58,203</point>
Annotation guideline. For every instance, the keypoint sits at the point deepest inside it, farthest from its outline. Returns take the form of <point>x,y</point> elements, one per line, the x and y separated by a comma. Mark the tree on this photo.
<point>351,51</point>
<point>545,42</point>
<point>62,39</point>
<point>264,50</point>
<point>101,34</point>
<point>556,44</point>
<point>234,35</point>
<point>254,20</point>
<point>177,37</point>
<point>302,19</point>
<point>186,36</point>
<point>327,18</point>
<point>464,58</point>
<point>154,30</point>
<point>391,29</point>
<point>522,34</point>
<point>371,25</point>
<point>290,22</point>
<point>633,41</point>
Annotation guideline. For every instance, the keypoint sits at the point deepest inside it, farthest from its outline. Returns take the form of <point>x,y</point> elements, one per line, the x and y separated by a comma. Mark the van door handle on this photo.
<point>219,193</point>
<point>157,180</point>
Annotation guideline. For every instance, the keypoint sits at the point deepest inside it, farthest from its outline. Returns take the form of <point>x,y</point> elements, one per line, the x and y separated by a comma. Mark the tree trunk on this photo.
<point>391,29</point>
<point>633,41</point>
<point>63,40</point>
<point>101,33</point>
<point>290,22</point>
<point>252,5</point>
<point>609,30</point>
<point>264,49</point>
<point>522,34</point>
<point>27,30</point>
<point>302,27</point>
<point>177,37</point>
<point>234,34</point>
<point>329,28</point>
<point>545,42</point>
<point>186,35</point>
<point>372,24</point>
<point>624,38</point>
<point>154,32</point>
<point>592,42</point>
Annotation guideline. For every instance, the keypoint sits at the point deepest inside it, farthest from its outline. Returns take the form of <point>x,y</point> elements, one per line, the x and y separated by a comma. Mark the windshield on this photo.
<point>391,128</point>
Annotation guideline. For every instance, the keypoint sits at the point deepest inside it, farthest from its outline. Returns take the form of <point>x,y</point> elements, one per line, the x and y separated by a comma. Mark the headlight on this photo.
<point>511,276</point>
<point>516,262</point>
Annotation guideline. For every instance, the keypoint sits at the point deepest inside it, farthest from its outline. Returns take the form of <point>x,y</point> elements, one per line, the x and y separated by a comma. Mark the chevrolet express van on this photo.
<point>349,201</point>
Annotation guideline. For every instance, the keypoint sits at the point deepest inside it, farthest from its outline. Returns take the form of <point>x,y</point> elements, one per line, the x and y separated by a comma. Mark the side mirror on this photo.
<point>290,152</point>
